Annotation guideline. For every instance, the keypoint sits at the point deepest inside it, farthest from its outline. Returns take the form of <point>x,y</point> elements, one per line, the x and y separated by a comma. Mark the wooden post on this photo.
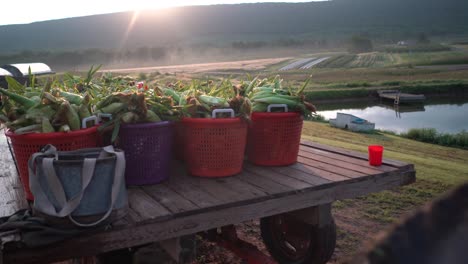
<point>318,215</point>
<point>172,247</point>
<point>397,98</point>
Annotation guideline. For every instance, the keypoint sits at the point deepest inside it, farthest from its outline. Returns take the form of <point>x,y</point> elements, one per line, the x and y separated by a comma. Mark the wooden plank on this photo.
<point>222,190</point>
<point>277,177</point>
<point>12,197</point>
<point>242,187</point>
<point>170,199</point>
<point>351,153</point>
<point>366,169</point>
<point>191,191</point>
<point>330,168</point>
<point>217,189</point>
<point>262,183</point>
<point>330,176</point>
<point>300,175</point>
<point>161,230</point>
<point>344,158</point>
<point>144,206</point>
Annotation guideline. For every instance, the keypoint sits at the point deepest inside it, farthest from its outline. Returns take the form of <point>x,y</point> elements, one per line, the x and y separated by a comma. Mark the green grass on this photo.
<point>438,169</point>
<point>430,135</point>
<point>384,59</point>
<point>415,48</point>
<point>433,58</point>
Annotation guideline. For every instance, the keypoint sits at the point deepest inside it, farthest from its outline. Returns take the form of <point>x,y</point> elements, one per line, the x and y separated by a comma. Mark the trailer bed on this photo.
<point>185,205</point>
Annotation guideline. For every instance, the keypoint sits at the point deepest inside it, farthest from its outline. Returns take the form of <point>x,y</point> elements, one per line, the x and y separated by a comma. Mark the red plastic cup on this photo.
<point>375,155</point>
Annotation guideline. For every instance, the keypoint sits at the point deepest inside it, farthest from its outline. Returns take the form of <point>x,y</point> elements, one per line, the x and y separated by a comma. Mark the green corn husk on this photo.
<point>259,107</point>
<point>152,116</point>
<point>113,108</point>
<point>36,128</point>
<point>26,102</point>
<point>47,126</point>
<point>64,128</point>
<point>71,97</point>
<point>129,117</point>
<point>276,100</point>
<point>171,93</point>
<point>83,112</point>
<point>213,101</point>
<point>71,116</point>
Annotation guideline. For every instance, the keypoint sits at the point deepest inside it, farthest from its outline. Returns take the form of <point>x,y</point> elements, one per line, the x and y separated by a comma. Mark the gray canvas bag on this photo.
<point>86,184</point>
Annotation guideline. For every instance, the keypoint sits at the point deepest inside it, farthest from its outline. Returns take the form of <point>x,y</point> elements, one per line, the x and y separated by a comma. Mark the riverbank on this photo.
<point>333,95</point>
<point>438,170</point>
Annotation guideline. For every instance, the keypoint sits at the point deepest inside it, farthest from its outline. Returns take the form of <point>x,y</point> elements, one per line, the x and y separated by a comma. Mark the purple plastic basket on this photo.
<point>148,151</point>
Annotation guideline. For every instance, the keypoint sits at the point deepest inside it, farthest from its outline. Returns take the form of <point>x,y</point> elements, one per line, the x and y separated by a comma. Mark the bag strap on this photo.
<point>119,174</point>
<point>56,187</point>
<point>67,207</point>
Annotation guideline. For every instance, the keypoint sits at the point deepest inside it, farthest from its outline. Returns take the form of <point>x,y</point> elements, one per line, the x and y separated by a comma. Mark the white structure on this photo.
<point>4,72</point>
<point>22,69</point>
<point>351,122</point>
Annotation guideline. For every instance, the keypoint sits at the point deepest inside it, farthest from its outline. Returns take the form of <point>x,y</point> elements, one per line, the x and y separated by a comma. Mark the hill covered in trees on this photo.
<point>239,26</point>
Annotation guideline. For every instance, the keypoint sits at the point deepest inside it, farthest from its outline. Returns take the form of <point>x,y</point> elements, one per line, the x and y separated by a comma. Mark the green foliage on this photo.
<point>358,84</point>
<point>423,39</point>
<point>317,118</point>
<point>360,44</point>
<point>430,135</point>
<point>335,94</point>
<point>142,76</point>
<point>420,47</point>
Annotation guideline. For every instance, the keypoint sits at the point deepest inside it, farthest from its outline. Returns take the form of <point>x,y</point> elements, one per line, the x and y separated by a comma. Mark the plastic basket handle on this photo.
<point>101,115</point>
<point>285,106</point>
<point>89,118</point>
<point>227,110</point>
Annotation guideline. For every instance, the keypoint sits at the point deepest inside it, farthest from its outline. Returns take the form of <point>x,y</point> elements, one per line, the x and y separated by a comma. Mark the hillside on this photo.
<point>383,20</point>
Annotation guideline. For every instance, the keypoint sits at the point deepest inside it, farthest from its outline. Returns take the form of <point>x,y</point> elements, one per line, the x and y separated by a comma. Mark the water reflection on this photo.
<point>447,117</point>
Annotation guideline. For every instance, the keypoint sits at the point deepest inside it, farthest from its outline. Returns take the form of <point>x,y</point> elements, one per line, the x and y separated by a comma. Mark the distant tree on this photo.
<point>158,53</point>
<point>143,53</point>
<point>359,44</point>
<point>422,38</point>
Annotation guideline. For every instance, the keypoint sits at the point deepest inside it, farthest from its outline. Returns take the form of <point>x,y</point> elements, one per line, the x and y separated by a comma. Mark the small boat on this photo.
<point>351,122</point>
<point>398,97</point>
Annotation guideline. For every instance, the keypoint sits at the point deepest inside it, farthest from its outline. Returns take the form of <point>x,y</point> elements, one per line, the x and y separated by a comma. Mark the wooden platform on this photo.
<point>185,204</point>
<point>402,97</point>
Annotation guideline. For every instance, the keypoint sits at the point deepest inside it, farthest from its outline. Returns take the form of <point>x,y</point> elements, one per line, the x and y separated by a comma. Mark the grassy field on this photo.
<point>379,59</point>
<point>438,170</point>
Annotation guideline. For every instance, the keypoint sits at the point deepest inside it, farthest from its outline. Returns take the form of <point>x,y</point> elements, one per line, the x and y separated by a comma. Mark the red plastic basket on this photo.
<point>274,138</point>
<point>27,144</point>
<point>214,147</point>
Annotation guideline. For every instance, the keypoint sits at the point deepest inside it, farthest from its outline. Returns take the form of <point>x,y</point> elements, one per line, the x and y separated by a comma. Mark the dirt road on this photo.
<point>204,67</point>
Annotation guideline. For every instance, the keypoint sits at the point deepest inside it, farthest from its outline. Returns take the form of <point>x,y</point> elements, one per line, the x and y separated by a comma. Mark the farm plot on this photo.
<point>340,61</point>
<point>296,64</point>
<point>367,60</point>
<point>313,63</point>
<point>434,58</point>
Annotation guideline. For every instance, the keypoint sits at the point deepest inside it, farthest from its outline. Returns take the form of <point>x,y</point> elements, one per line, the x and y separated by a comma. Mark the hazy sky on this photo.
<point>28,11</point>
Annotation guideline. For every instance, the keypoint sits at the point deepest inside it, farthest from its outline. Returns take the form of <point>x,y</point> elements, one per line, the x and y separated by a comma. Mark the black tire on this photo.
<point>319,242</point>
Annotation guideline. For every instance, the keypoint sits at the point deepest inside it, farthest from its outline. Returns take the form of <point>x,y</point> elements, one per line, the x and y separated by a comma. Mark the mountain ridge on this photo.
<point>382,20</point>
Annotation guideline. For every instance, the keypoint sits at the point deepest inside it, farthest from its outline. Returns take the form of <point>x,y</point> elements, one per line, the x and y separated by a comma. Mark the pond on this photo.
<point>445,115</point>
